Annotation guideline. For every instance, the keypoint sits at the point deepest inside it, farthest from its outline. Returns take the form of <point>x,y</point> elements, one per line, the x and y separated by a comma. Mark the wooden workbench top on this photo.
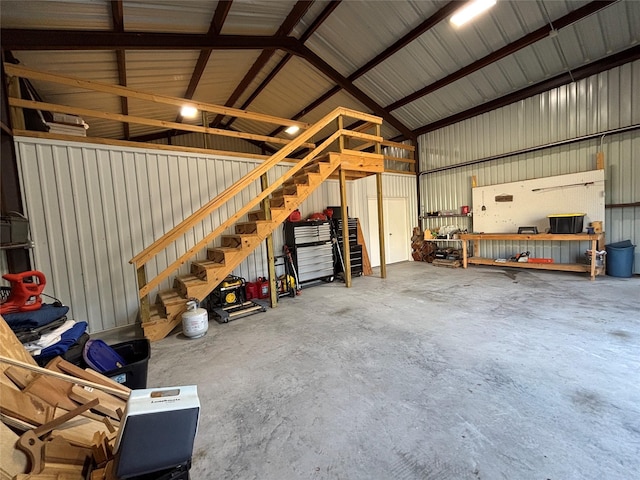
<point>531,236</point>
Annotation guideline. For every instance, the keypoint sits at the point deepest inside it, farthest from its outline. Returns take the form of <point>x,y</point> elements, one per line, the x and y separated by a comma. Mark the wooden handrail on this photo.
<point>400,159</point>
<point>160,244</point>
<point>24,72</point>
<point>146,289</point>
<point>85,112</point>
<point>387,143</point>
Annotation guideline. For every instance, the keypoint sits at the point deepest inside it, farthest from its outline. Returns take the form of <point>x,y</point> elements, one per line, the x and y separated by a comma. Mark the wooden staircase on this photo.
<point>206,275</point>
<point>251,223</point>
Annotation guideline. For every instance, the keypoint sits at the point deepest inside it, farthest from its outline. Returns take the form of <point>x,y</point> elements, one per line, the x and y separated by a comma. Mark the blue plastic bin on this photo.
<point>620,259</point>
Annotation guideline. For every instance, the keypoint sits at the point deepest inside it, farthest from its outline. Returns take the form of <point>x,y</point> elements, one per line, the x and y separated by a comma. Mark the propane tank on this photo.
<point>195,321</point>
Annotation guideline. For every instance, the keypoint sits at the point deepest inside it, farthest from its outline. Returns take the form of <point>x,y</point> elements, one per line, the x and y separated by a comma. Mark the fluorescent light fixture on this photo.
<point>292,130</point>
<point>470,11</point>
<point>188,111</point>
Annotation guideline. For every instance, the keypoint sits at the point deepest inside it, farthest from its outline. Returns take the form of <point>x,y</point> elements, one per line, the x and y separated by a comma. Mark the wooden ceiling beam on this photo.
<point>529,39</point>
<point>607,63</point>
<point>297,12</point>
<point>33,39</point>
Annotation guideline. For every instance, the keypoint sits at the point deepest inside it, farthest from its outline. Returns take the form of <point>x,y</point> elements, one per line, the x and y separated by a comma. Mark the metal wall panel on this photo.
<point>93,207</point>
<point>596,104</point>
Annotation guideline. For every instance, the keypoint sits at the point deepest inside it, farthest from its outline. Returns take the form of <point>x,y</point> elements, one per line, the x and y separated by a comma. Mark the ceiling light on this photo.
<point>471,10</point>
<point>293,129</point>
<point>188,111</point>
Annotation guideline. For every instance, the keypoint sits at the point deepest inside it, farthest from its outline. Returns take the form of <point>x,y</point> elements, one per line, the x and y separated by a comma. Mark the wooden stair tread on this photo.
<point>224,249</point>
<point>170,297</point>
<point>208,263</point>
<point>191,279</point>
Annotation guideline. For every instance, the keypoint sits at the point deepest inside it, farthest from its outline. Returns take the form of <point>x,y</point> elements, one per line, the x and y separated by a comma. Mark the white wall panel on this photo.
<point>93,207</point>
<point>596,104</point>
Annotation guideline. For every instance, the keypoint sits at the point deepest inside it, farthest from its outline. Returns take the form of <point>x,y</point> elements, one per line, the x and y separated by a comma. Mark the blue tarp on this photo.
<point>46,314</point>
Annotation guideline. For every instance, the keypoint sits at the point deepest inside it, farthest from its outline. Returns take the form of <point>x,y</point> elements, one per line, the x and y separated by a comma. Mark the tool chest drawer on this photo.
<point>309,232</point>
<point>314,261</point>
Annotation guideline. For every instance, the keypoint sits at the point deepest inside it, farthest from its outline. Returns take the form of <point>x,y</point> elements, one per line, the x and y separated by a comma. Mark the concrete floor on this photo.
<point>433,373</point>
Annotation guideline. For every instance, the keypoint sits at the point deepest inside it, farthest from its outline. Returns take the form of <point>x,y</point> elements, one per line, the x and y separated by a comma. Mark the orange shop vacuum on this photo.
<point>26,288</point>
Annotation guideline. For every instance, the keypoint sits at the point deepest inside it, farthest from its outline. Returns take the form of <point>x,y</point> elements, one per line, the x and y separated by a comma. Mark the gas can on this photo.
<point>263,287</point>
<point>195,321</point>
<point>251,289</point>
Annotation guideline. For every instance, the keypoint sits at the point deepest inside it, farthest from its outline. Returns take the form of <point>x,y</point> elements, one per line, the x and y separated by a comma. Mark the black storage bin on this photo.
<point>566,223</point>
<point>136,354</point>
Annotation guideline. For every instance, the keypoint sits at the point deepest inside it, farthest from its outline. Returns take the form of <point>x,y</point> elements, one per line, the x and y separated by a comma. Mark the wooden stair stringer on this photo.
<point>166,317</point>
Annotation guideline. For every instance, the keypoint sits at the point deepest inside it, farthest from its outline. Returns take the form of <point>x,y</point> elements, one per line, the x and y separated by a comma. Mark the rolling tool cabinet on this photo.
<point>355,250</point>
<point>311,249</point>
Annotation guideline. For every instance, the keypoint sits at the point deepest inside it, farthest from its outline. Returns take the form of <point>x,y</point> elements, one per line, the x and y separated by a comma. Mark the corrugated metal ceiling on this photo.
<point>347,38</point>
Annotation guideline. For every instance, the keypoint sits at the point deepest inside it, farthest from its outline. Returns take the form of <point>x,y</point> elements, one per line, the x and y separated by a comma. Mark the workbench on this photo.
<point>596,239</point>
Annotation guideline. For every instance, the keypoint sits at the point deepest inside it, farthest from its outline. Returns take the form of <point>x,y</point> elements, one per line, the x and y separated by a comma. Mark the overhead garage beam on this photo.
<point>425,26</point>
<point>328,10</point>
<point>607,63</point>
<point>220,15</point>
<point>297,12</point>
<point>117,15</point>
<point>429,23</point>
<point>529,39</point>
<point>26,39</point>
<point>347,85</point>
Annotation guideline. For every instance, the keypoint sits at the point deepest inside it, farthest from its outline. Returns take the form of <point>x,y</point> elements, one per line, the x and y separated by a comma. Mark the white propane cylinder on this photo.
<point>195,321</point>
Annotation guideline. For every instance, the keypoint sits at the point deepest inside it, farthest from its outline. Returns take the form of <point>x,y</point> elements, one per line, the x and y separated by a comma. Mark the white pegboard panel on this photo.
<point>533,200</point>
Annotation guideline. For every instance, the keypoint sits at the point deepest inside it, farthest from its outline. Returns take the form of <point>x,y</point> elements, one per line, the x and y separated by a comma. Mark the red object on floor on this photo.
<point>24,296</point>
<point>251,289</point>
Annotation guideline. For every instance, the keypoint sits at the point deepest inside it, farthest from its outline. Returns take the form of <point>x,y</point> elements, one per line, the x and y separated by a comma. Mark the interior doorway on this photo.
<point>396,230</point>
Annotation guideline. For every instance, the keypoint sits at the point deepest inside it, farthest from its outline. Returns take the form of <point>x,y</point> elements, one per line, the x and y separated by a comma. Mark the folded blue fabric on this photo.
<point>46,314</point>
<point>67,339</point>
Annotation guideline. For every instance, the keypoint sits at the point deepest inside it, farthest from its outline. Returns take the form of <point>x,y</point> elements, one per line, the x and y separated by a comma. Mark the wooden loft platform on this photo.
<point>359,140</point>
<point>358,164</point>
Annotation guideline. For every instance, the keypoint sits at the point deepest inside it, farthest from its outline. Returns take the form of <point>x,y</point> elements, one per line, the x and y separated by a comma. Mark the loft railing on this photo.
<point>159,245</point>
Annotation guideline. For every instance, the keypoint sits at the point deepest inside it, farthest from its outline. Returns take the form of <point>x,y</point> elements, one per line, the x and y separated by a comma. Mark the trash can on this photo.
<point>620,259</point>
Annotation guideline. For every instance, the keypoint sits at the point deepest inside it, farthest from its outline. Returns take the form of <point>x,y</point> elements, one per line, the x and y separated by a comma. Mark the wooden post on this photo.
<point>17,114</point>
<point>383,260</point>
<point>145,313</point>
<point>346,253</point>
<point>341,138</point>
<point>271,258</point>
<point>205,136</point>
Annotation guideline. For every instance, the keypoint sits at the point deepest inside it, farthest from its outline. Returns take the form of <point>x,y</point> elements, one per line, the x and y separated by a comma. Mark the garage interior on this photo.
<point>466,147</point>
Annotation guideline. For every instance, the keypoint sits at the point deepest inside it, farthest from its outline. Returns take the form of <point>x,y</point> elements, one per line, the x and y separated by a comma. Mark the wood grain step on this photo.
<point>298,179</point>
<point>222,255</point>
<point>256,215</point>
<point>203,269</point>
<point>239,241</point>
<point>189,286</point>
<point>168,298</point>
<point>257,227</point>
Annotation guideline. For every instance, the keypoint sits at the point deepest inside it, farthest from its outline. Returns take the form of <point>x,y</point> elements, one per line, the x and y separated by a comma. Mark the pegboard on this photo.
<point>533,200</point>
